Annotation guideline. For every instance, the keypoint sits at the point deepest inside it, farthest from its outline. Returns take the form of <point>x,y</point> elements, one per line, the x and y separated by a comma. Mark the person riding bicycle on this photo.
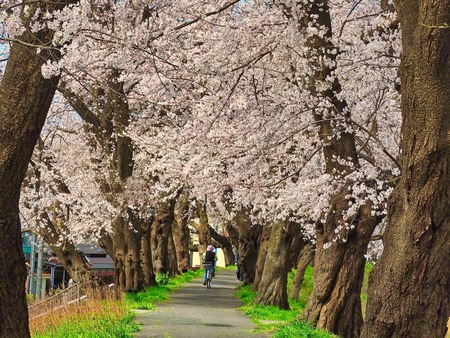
<point>209,257</point>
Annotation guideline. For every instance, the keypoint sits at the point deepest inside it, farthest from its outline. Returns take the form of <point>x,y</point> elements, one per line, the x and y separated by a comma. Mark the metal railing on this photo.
<point>66,297</point>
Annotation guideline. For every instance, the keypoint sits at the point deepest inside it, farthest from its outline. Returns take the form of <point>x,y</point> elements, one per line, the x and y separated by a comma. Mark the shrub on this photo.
<point>162,279</point>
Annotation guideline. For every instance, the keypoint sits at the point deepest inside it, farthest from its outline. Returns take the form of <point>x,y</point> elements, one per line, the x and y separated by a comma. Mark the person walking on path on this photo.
<point>194,312</point>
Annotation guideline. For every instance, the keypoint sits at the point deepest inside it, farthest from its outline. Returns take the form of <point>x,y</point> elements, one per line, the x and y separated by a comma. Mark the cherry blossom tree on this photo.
<point>25,97</point>
<point>408,291</point>
<point>270,113</point>
<point>271,109</point>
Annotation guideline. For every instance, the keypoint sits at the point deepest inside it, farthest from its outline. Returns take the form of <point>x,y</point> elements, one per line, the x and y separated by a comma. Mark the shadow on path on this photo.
<point>195,311</point>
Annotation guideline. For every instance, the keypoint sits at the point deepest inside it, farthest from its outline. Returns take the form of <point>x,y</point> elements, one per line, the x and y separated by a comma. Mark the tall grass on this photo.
<point>104,314</point>
<point>101,314</point>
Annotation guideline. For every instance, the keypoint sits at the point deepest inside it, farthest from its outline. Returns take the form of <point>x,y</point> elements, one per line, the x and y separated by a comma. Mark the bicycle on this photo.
<point>208,267</point>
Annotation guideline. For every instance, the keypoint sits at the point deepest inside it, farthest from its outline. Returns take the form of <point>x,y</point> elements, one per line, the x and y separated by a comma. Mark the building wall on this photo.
<point>195,259</point>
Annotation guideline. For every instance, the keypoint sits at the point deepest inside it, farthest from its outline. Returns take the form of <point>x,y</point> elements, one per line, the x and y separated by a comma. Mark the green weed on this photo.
<point>162,279</point>
<point>285,322</point>
<point>146,300</point>
<point>300,329</point>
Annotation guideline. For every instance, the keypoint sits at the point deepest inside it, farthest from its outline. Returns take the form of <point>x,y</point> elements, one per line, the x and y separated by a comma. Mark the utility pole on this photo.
<point>39,267</point>
<point>31,287</point>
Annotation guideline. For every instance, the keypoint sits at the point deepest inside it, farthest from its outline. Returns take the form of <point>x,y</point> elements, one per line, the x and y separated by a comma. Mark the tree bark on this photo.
<point>225,244</point>
<point>25,97</point>
<point>146,254</point>
<point>171,257</point>
<point>74,260</point>
<point>108,128</point>
<point>128,274</point>
<point>249,235</point>
<point>180,233</point>
<point>272,289</point>
<point>233,233</point>
<point>335,303</point>
<point>262,254</point>
<point>161,231</point>
<point>306,257</point>
<point>204,238</point>
<point>409,286</point>
<point>105,242</point>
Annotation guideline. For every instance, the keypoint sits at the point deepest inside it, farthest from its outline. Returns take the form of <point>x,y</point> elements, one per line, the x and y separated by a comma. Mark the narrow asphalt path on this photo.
<point>195,311</point>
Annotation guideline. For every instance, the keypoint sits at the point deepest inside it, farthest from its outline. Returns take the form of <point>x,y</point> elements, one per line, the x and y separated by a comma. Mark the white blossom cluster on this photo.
<point>220,100</point>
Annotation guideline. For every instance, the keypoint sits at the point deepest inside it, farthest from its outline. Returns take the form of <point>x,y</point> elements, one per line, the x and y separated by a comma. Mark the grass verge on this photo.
<point>93,317</point>
<point>100,317</point>
<point>146,300</point>
<point>285,323</point>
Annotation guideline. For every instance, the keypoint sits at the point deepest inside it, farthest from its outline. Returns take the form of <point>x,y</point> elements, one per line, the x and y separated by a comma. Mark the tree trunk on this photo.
<point>74,260</point>
<point>262,254</point>
<point>225,244</point>
<point>25,97</point>
<point>128,275</point>
<point>171,256</point>
<point>335,303</point>
<point>233,233</point>
<point>273,287</point>
<point>180,233</point>
<point>146,254</point>
<point>249,235</point>
<point>161,231</point>
<point>306,257</point>
<point>108,127</point>
<point>297,245</point>
<point>75,263</point>
<point>105,242</point>
<point>409,286</point>
<point>204,238</point>
<point>13,306</point>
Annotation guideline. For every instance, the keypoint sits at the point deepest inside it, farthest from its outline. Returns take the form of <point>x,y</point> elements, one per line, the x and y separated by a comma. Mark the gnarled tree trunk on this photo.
<point>225,244</point>
<point>306,257</point>
<point>171,257</point>
<point>335,301</point>
<point>108,126</point>
<point>409,286</point>
<point>204,238</point>
<point>25,97</point>
<point>272,289</point>
<point>146,254</point>
<point>161,231</point>
<point>74,261</point>
<point>249,237</point>
<point>128,274</point>
<point>180,232</point>
<point>262,254</point>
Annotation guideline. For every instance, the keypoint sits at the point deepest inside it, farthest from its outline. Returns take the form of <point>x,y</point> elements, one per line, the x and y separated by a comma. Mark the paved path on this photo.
<point>195,311</point>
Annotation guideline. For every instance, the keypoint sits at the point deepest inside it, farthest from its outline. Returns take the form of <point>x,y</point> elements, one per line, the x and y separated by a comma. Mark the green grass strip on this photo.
<point>282,323</point>
<point>117,324</point>
<point>147,299</point>
<point>97,327</point>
